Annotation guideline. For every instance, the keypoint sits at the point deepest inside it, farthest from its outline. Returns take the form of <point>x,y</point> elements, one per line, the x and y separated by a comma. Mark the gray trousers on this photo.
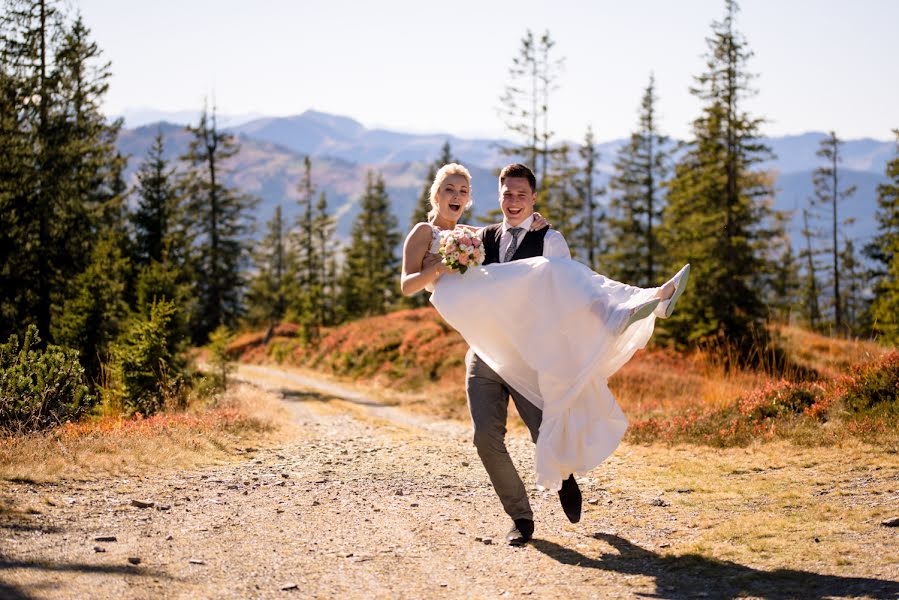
<point>488,401</point>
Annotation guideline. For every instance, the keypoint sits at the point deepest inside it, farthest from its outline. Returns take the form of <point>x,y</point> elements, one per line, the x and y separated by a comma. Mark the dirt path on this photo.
<point>371,502</point>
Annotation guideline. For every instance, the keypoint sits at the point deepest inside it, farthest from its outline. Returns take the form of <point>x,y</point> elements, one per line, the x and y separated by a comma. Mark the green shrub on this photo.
<point>40,388</point>
<point>148,368</point>
<point>94,312</point>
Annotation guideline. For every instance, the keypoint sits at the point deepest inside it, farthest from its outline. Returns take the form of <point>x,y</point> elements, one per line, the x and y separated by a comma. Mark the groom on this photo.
<point>488,394</point>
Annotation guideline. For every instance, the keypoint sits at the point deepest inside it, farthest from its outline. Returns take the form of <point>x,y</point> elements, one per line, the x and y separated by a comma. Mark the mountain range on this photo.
<point>270,162</point>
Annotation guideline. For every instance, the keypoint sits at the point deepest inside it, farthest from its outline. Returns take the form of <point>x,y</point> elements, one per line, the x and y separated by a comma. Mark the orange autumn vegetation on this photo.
<point>413,357</point>
<point>244,416</point>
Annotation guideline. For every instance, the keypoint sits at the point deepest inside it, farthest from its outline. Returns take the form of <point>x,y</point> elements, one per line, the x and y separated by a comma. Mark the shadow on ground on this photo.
<point>317,397</point>
<point>16,592</point>
<point>691,575</point>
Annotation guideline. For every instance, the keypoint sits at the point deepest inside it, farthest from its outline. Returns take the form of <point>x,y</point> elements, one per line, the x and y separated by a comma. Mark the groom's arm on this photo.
<point>555,246</point>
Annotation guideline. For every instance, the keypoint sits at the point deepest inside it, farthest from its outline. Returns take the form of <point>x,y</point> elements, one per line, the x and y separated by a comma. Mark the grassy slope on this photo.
<point>203,434</point>
<point>413,357</point>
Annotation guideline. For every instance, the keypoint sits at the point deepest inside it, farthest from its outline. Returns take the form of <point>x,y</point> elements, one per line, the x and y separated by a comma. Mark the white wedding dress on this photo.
<point>550,328</point>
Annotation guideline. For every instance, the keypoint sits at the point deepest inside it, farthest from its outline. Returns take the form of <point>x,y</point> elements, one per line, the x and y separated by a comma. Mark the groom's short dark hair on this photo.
<point>518,170</point>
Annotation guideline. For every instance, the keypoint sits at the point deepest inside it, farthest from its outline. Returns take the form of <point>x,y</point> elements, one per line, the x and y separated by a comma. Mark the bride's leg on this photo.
<point>619,318</point>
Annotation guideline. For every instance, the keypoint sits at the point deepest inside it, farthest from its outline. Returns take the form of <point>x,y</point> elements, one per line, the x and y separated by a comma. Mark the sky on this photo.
<point>440,67</point>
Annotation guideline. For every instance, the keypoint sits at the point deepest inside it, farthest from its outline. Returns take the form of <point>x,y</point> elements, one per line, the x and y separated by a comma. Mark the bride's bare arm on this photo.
<point>414,277</point>
<point>539,223</point>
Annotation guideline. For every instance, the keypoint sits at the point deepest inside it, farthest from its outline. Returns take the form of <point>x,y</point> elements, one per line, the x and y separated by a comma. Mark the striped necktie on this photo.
<point>515,231</point>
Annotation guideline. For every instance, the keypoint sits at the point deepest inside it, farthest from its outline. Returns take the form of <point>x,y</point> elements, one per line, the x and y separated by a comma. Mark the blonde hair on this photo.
<point>444,172</point>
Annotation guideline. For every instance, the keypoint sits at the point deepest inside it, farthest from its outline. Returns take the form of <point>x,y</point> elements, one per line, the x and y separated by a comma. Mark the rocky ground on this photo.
<point>372,502</point>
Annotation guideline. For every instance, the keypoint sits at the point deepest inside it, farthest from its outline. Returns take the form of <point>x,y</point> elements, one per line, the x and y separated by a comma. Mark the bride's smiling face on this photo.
<point>453,197</point>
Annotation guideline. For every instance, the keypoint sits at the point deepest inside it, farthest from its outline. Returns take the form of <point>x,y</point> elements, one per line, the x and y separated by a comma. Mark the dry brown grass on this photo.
<point>664,382</point>
<point>411,358</point>
<point>829,356</point>
<point>211,433</point>
<point>773,504</point>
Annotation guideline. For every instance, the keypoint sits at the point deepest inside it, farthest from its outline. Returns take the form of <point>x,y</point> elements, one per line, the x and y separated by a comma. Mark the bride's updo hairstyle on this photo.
<point>444,172</point>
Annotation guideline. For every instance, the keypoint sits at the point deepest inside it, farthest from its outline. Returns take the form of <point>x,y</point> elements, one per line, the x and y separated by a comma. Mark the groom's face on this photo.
<point>516,199</point>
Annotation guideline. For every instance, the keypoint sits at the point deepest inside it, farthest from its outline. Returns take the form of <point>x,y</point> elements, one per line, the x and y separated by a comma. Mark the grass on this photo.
<point>769,503</point>
<point>829,356</point>
<point>413,358</point>
<point>108,445</point>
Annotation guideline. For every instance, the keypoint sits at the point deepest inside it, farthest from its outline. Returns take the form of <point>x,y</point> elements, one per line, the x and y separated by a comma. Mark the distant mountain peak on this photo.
<point>331,119</point>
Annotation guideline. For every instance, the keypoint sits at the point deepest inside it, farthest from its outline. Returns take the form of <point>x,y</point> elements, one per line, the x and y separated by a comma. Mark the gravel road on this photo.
<point>371,502</point>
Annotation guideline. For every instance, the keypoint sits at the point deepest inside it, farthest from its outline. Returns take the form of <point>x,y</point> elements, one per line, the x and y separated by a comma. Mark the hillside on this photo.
<point>413,358</point>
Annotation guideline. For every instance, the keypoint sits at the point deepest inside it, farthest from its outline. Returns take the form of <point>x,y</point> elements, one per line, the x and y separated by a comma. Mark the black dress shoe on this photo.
<point>522,533</point>
<point>570,495</point>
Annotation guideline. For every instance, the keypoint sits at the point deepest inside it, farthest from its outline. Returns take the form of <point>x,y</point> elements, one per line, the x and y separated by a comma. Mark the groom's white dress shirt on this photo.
<point>554,244</point>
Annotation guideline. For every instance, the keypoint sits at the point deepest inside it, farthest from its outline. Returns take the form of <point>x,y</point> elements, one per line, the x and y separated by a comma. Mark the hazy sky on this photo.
<point>441,66</point>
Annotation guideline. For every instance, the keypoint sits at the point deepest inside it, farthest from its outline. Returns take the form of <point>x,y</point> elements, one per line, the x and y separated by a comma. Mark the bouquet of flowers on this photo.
<point>460,249</point>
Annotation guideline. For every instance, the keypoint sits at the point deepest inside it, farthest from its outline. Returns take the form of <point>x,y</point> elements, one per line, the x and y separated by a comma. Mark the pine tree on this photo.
<point>148,360</point>
<point>717,207</point>
<point>99,166</point>
<point>884,251</point>
<point>585,184</point>
<point>15,296</point>
<point>811,289</point>
<point>95,311</point>
<point>636,207</point>
<point>28,31</point>
<point>782,283</point>
<point>827,191</point>
<point>154,219</point>
<point>314,238</point>
<point>220,221</point>
<point>335,311</point>
<point>371,267</point>
<point>326,248</point>
<point>524,106</point>
<point>275,266</point>
<point>852,277</point>
<point>560,202</point>
<point>162,247</point>
<point>62,167</point>
<point>157,281</point>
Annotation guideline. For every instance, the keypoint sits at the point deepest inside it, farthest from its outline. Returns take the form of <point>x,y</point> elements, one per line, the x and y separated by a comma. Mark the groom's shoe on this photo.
<point>679,281</point>
<point>522,533</point>
<point>570,495</point>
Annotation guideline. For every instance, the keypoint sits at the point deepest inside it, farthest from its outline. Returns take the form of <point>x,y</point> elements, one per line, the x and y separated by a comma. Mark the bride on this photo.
<point>551,328</point>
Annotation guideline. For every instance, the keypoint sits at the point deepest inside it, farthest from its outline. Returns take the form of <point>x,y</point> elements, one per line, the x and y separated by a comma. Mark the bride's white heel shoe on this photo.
<point>666,307</point>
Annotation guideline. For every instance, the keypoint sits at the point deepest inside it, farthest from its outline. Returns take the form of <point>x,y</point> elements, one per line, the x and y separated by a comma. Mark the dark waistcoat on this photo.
<point>529,246</point>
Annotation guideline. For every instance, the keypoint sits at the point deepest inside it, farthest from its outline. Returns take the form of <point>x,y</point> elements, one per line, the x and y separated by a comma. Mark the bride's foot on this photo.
<point>638,313</point>
<point>671,291</point>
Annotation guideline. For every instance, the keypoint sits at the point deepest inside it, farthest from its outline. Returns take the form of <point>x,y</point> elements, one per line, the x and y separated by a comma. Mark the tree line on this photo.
<point>708,202</point>
<point>109,284</point>
<point>114,282</point>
